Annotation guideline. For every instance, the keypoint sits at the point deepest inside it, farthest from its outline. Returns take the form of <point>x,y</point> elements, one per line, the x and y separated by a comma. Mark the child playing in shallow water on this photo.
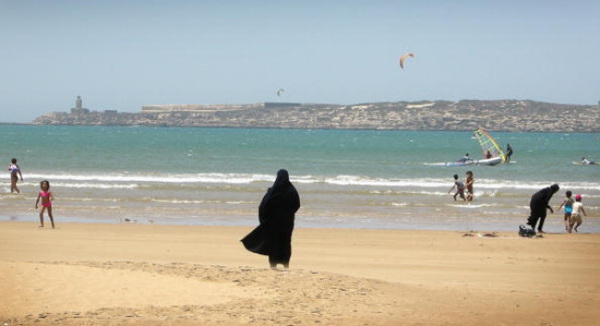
<point>460,188</point>
<point>568,203</point>
<point>469,185</point>
<point>576,215</point>
<point>15,172</point>
<point>46,196</point>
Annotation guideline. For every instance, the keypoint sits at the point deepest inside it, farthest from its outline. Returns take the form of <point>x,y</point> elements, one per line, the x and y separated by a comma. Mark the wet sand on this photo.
<point>132,274</point>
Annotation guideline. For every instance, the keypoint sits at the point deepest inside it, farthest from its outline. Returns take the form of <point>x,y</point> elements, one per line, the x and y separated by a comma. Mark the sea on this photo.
<point>345,178</point>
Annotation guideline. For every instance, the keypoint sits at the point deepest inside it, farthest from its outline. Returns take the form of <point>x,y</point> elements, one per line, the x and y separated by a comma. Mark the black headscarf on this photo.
<point>280,202</point>
<point>541,198</point>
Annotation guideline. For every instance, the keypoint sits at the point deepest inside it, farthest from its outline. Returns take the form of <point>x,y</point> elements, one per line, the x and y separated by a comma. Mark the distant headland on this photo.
<point>465,115</point>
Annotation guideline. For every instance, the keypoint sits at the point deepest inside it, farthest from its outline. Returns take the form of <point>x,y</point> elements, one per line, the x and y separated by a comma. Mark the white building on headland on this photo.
<point>164,108</point>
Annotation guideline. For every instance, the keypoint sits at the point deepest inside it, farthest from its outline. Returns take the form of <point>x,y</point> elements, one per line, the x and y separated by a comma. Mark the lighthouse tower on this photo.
<point>79,109</point>
<point>78,103</point>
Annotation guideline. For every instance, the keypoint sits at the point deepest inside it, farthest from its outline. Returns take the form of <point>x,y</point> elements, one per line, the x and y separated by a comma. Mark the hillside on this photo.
<point>499,115</point>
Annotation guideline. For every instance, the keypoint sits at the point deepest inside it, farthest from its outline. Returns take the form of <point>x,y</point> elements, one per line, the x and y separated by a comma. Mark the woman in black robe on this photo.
<point>276,214</point>
<point>538,205</point>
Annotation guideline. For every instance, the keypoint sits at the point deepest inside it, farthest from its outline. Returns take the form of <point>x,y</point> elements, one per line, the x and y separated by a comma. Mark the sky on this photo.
<point>121,55</point>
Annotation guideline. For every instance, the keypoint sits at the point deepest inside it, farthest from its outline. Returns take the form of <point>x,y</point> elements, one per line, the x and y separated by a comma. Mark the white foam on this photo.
<point>125,180</point>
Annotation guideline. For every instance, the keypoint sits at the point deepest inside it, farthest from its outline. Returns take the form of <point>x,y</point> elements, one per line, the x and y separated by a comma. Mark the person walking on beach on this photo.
<point>469,185</point>
<point>460,188</point>
<point>276,214</point>
<point>576,215</point>
<point>538,205</point>
<point>568,203</point>
<point>15,173</point>
<point>509,153</point>
<point>46,196</point>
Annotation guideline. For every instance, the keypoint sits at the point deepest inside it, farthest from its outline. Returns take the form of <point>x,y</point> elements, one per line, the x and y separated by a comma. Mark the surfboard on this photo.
<point>579,163</point>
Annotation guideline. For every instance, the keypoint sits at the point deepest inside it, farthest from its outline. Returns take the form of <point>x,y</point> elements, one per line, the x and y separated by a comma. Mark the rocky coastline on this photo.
<point>465,115</point>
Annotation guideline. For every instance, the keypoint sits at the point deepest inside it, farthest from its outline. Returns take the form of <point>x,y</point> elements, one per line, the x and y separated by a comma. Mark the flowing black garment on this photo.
<point>276,215</point>
<point>255,241</point>
<point>539,204</point>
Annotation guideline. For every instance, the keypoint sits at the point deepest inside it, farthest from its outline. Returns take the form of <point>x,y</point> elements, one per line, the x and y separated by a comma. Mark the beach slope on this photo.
<point>130,274</point>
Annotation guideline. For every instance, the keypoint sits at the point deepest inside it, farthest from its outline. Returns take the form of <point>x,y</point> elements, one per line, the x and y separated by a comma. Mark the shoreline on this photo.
<point>135,274</point>
<point>554,222</point>
<point>500,130</point>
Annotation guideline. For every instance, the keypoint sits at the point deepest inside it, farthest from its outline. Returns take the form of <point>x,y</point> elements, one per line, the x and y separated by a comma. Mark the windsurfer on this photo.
<point>509,152</point>
<point>489,148</point>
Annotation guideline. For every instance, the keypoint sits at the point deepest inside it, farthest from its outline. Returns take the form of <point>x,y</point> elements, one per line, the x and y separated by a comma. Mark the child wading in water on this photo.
<point>460,188</point>
<point>568,203</point>
<point>577,210</point>
<point>469,184</point>
<point>15,172</point>
<point>46,196</point>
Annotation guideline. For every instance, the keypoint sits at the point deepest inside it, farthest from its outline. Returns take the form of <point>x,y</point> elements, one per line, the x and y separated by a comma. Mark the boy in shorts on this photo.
<point>460,188</point>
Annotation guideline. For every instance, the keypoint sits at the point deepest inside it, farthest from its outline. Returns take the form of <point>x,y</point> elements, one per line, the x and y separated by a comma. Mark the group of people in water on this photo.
<point>573,211</point>
<point>540,203</point>
<point>276,212</point>
<point>488,155</point>
<point>44,195</point>
<point>462,187</point>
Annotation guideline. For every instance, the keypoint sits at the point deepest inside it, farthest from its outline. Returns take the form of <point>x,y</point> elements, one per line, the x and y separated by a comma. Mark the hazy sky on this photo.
<point>125,54</point>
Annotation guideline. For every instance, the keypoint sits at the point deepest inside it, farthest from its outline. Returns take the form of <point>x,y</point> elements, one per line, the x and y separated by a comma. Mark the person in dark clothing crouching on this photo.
<point>538,205</point>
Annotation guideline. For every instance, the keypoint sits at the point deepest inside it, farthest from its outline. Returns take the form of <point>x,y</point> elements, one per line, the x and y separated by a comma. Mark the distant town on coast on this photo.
<point>465,115</point>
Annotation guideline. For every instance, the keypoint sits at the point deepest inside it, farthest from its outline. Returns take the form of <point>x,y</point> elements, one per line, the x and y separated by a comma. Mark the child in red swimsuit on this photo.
<point>46,196</point>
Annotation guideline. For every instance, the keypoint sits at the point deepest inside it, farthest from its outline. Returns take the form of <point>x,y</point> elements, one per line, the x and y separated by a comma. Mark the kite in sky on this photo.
<point>404,56</point>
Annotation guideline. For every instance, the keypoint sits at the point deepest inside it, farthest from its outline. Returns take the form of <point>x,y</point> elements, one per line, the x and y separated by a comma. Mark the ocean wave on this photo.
<point>195,202</point>
<point>230,178</point>
<point>468,205</point>
<point>95,185</point>
<point>124,180</point>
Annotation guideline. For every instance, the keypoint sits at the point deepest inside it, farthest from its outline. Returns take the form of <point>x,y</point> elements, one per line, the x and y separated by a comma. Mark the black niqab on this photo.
<point>276,214</point>
<point>540,200</point>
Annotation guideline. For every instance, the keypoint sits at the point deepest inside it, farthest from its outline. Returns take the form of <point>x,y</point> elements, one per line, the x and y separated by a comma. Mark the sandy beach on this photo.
<point>132,274</point>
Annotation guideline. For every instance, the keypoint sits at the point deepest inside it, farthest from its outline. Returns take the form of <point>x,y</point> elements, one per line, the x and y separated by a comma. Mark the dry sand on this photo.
<point>127,274</point>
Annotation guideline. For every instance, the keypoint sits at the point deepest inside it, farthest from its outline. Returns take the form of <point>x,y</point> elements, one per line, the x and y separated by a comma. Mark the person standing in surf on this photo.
<point>577,210</point>
<point>568,203</point>
<point>276,214</point>
<point>469,185</point>
<point>460,188</point>
<point>509,153</point>
<point>15,173</point>
<point>539,204</point>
